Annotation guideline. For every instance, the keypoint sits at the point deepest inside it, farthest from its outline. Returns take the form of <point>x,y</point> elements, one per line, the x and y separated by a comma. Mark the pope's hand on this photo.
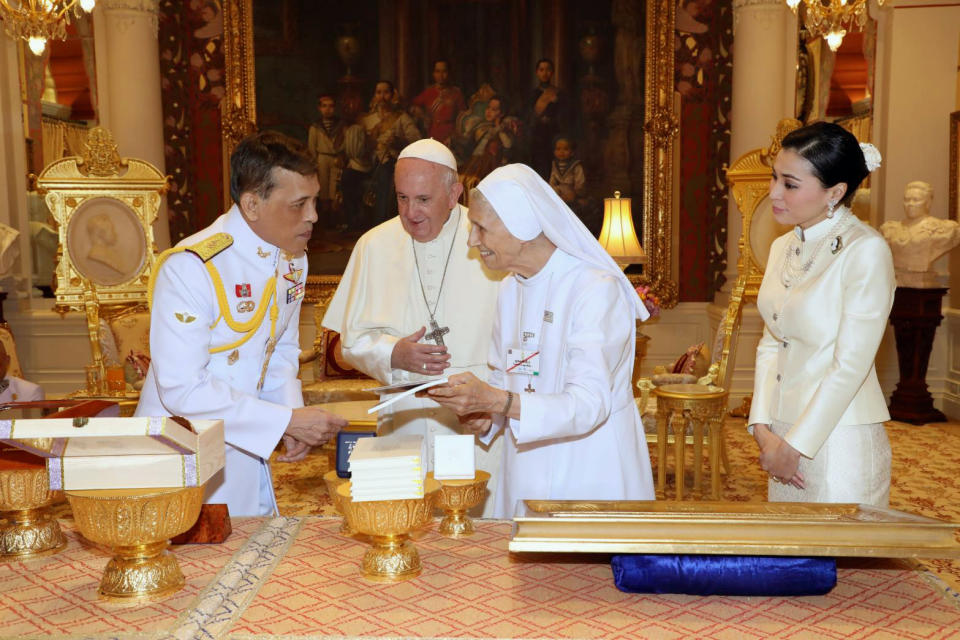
<point>295,450</point>
<point>465,393</point>
<point>314,426</point>
<point>777,457</point>
<point>411,355</point>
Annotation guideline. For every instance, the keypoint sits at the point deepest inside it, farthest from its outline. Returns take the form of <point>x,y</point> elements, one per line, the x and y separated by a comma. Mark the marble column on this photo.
<point>128,81</point>
<point>764,86</point>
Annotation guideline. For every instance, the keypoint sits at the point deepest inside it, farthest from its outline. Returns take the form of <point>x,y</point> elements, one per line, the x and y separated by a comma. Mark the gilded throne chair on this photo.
<point>104,207</point>
<point>695,413</point>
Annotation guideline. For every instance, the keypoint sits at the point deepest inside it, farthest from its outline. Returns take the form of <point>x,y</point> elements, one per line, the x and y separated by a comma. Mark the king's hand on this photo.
<point>411,355</point>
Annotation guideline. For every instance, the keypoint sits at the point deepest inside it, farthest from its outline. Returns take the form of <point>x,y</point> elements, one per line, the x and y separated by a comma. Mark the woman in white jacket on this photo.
<point>818,409</point>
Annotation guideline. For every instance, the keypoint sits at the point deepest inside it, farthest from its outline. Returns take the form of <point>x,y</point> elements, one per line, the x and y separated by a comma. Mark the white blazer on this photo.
<point>815,366</point>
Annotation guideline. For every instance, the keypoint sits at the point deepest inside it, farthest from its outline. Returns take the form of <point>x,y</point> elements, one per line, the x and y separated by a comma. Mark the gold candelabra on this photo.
<point>37,21</point>
<point>833,18</point>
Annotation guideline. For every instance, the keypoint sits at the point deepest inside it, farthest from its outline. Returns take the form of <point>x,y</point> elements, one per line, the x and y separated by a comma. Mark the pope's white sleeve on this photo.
<point>282,384</point>
<point>599,340</point>
<point>868,289</point>
<point>180,355</point>
<point>371,353</point>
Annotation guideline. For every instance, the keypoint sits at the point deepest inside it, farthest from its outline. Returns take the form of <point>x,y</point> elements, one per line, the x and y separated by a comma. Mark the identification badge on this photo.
<point>294,293</point>
<point>523,360</point>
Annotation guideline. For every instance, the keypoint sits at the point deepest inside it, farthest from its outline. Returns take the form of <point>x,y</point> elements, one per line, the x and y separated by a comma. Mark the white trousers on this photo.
<point>852,466</point>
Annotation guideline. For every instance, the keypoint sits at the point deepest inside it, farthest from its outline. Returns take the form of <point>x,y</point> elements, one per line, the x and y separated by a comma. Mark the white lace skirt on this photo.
<point>852,466</point>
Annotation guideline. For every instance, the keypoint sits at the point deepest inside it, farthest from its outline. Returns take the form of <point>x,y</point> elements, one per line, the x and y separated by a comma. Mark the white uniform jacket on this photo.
<point>186,379</point>
<point>20,390</point>
<point>815,366</point>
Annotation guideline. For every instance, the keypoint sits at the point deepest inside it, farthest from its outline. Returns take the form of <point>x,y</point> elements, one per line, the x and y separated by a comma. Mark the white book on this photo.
<point>409,391</point>
<point>387,447</point>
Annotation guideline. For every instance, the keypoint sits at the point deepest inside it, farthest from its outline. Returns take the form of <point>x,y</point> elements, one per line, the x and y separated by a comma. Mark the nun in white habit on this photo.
<point>561,354</point>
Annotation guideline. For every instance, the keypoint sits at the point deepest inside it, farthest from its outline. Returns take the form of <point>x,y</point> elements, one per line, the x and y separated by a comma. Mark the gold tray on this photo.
<point>742,528</point>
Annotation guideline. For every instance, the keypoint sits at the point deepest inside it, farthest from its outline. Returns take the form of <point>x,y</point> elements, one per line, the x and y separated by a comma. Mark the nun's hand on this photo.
<point>478,423</point>
<point>464,394</point>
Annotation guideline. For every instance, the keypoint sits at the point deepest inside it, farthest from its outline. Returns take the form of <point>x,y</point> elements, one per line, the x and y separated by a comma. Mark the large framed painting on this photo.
<point>954,165</point>
<point>553,84</point>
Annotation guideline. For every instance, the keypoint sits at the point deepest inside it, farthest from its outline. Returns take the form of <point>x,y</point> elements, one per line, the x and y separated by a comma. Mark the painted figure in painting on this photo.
<point>438,106</point>
<point>372,147</point>
<point>492,140</point>
<point>325,140</point>
<point>546,115</point>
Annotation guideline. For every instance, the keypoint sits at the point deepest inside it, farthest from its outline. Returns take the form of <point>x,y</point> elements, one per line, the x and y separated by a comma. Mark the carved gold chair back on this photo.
<point>749,181</point>
<point>104,207</point>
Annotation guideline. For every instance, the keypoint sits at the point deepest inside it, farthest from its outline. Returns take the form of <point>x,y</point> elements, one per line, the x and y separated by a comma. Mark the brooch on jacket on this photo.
<point>835,245</point>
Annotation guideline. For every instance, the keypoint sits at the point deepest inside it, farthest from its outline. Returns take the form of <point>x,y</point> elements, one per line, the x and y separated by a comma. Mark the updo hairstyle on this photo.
<point>834,154</point>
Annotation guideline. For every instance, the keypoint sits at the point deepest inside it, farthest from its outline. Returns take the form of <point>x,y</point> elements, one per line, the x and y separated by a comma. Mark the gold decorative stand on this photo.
<point>391,557</point>
<point>137,524</point>
<point>27,529</point>
<point>332,480</point>
<point>456,498</point>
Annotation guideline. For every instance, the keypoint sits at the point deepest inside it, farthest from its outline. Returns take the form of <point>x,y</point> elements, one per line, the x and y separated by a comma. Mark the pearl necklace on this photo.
<point>791,271</point>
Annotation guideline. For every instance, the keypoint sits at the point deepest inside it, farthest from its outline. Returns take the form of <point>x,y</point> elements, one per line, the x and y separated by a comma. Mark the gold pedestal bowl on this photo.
<point>388,523</point>
<point>27,529</point>
<point>332,480</point>
<point>456,498</point>
<point>138,525</point>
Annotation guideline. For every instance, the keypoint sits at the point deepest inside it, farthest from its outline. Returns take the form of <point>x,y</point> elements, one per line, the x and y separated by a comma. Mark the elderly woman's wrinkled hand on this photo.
<point>478,423</point>
<point>464,394</point>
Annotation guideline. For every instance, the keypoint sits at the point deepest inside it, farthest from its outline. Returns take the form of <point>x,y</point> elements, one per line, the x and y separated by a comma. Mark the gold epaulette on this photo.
<point>205,250</point>
<point>209,247</point>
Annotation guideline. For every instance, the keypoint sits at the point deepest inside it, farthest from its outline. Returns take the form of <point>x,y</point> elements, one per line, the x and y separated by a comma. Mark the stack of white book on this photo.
<point>388,468</point>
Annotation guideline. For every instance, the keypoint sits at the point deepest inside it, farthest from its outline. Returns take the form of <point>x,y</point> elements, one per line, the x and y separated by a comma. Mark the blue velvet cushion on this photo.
<point>724,575</point>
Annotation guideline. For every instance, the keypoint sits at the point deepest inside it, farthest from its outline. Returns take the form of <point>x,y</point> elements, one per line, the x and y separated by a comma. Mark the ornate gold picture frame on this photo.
<point>660,130</point>
<point>954,165</point>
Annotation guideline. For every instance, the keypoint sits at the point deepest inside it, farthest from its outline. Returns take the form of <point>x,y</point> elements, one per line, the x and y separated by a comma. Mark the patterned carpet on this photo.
<point>926,478</point>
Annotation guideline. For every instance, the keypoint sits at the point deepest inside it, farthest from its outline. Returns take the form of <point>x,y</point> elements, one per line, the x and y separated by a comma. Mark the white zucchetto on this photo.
<point>430,150</point>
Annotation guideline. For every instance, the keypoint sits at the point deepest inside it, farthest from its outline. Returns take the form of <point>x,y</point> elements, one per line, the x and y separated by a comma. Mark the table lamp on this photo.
<point>617,235</point>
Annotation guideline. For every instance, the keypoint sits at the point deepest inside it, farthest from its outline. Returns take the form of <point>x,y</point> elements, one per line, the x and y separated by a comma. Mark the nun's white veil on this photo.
<point>528,206</point>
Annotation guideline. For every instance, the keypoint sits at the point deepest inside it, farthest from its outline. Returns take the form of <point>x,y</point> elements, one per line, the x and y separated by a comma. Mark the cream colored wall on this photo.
<point>918,79</point>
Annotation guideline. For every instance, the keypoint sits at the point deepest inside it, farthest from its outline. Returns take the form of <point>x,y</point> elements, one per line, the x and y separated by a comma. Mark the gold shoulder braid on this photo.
<point>206,249</point>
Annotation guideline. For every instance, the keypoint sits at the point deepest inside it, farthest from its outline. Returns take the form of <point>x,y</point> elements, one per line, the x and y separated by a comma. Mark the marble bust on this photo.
<point>918,240</point>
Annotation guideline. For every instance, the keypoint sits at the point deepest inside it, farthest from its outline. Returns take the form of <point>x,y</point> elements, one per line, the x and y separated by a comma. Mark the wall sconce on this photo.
<point>618,236</point>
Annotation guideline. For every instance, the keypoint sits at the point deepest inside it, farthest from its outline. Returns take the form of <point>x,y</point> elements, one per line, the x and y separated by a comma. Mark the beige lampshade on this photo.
<point>618,236</point>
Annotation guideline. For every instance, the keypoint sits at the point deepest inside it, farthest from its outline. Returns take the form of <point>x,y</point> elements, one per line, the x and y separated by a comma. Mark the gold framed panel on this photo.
<point>661,127</point>
<point>104,207</point>
<point>742,528</point>
<point>954,165</point>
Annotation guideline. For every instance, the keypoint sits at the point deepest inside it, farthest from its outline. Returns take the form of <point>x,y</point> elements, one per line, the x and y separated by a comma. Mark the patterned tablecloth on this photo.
<point>296,577</point>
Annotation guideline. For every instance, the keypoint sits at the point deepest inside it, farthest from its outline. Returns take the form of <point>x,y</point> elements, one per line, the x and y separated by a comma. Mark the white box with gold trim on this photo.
<point>120,453</point>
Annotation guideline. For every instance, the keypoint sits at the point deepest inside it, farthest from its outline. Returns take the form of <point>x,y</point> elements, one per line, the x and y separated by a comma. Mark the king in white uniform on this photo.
<point>399,280</point>
<point>224,326</point>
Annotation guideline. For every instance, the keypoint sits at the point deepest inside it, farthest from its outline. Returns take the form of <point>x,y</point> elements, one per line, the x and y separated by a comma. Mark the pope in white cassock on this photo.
<point>416,302</point>
<point>224,323</point>
<point>561,355</point>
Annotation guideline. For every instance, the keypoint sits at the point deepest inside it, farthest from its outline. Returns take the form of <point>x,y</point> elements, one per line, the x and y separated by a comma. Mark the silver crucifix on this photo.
<point>437,332</point>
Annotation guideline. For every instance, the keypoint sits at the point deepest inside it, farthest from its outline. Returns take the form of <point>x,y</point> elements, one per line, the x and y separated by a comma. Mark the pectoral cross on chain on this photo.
<point>437,332</point>
<point>271,345</point>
